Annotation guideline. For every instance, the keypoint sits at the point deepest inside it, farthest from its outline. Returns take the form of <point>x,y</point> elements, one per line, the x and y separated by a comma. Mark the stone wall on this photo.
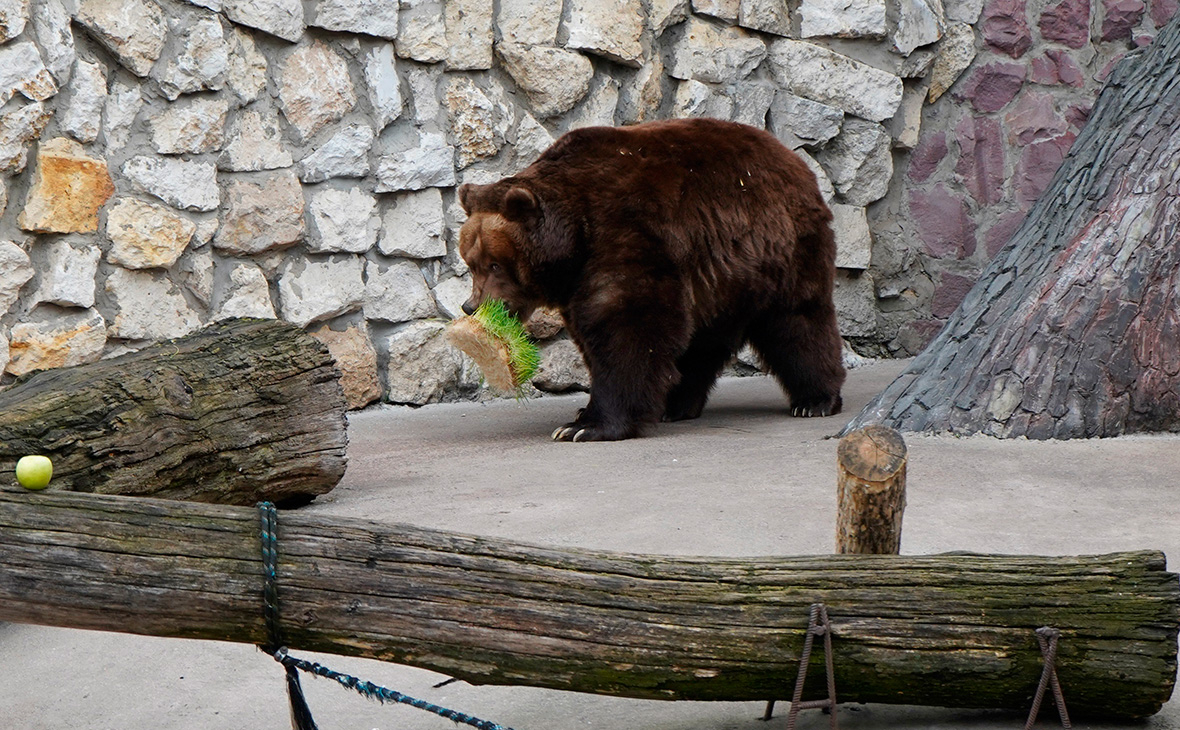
<point>164,163</point>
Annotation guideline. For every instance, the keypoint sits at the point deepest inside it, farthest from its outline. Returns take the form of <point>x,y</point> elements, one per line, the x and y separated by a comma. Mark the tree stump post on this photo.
<point>870,484</point>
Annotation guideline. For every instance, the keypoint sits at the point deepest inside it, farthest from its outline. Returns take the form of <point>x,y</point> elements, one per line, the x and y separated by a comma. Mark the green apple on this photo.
<point>34,472</point>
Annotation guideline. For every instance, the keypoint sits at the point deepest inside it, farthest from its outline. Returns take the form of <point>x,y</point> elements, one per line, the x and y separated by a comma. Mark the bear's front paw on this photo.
<point>590,432</point>
<point>825,407</point>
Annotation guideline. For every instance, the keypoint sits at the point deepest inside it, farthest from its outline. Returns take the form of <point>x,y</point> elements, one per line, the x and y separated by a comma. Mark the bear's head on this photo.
<point>495,244</point>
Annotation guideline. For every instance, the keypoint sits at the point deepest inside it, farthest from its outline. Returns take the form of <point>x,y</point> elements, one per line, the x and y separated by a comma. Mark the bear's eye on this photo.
<point>494,268</point>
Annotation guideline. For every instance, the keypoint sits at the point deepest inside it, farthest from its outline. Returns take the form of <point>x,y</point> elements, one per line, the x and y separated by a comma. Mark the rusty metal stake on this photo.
<point>817,625</point>
<point>1047,639</point>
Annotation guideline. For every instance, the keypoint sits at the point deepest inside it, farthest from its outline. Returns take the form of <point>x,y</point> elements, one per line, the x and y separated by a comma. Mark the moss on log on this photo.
<point>241,411</point>
<point>945,630</point>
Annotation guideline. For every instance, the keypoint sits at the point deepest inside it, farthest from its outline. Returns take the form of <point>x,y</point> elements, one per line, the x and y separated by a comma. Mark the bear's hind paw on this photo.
<point>829,407</point>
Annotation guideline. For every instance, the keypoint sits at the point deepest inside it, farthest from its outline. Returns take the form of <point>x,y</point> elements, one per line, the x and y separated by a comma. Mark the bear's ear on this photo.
<point>467,193</point>
<point>519,204</point>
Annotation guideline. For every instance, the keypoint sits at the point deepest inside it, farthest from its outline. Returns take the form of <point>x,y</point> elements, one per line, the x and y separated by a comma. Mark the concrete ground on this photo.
<point>742,480</point>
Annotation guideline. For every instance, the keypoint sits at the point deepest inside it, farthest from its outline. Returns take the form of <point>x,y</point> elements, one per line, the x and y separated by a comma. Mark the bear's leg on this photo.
<point>630,349</point>
<point>802,349</point>
<point>699,367</point>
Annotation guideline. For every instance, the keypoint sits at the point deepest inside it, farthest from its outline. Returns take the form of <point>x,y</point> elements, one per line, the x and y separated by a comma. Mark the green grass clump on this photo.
<point>523,355</point>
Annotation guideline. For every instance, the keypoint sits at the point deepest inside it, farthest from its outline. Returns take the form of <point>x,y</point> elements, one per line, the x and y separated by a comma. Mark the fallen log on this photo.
<point>241,411</point>
<point>945,630</point>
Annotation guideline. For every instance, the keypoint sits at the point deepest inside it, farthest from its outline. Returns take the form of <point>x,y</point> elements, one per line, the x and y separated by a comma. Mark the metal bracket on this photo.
<point>817,625</point>
<point>1047,639</point>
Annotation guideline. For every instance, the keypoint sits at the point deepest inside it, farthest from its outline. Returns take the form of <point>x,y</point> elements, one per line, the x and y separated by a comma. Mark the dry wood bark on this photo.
<point>870,491</point>
<point>241,411</point>
<point>1074,328</point>
<point>952,630</point>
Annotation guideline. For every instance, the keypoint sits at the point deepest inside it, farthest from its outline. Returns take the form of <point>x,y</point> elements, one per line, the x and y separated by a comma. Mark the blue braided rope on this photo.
<point>381,694</point>
<point>269,518</point>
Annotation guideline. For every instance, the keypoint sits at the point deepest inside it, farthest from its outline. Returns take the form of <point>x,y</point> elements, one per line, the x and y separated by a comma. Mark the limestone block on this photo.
<point>424,96</point>
<point>342,221</point>
<point>723,9</point>
<point>261,216</point>
<point>770,16</point>
<point>429,164</point>
<point>146,236</point>
<point>194,270</point>
<point>810,122</point>
<point>955,54</point>
<point>702,51</point>
<point>282,18</point>
<point>180,183</point>
<point>842,18</point>
<point>201,61</point>
<point>553,78</point>
<point>68,276</point>
<point>695,99</point>
<point>255,143</point>
<point>562,368</point>
<point>384,87</point>
<point>531,22</point>
<point>314,88</point>
<point>18,130</point>
<point>906,125</point>
<point>663,14</point>
<point>812,72</point>
<point>642,92</point>
<point>55,38</point>
<point>859,161</point>
<point>397,292</point>
<point>55,340</point>
<point>450,294</point>
<point>149,306</point>
<point>422,31</point>
<point>134,30</point>
<point>854,242</point>
<point>3,195</point>
<point>414,226</point>
<point>14,15</point>
<point>598,108</point>
<point>752,102</point>
<point>23,71</point>
<point>120,109</point>
<point>344,154</point>
<point>919,23</point>
<point>469,34</point>
<point>244,293</point>
<point>3,353</point>
<point>369,17</point>
<point>68,188</point>
<point>314,289</point>
<point>15,272</point>
<point>423,366</point>
<point>821,176</point>
<point>478,124</point>
<point>856,305</point>
<point>531,140</point>
<point>195,127</point>
<point>963,11</point>
<point>356,359</point>
<point>245,73</point>
<point>82,117</point>
<point>607,28</point>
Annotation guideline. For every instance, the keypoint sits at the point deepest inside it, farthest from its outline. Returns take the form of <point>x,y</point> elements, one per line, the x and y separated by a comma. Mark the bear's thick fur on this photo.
<point>665,246</point>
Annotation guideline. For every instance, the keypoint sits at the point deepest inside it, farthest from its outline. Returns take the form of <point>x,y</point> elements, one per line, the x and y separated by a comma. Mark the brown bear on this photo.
<point>665,246</point>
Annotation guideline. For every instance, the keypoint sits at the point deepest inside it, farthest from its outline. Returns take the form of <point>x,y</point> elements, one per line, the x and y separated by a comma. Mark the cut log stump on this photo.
<point>241,411</point>
<point>870,491</point>
<point>953,630</point>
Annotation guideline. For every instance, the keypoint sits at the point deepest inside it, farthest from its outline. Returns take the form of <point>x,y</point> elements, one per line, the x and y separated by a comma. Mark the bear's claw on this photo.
<point>568,433</point>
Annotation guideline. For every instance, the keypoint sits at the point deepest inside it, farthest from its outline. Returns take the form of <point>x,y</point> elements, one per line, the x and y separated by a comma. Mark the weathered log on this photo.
<point>1073,330</point>
<point>951,630</point>
<point>241,411</point>
<point>870,491</point>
